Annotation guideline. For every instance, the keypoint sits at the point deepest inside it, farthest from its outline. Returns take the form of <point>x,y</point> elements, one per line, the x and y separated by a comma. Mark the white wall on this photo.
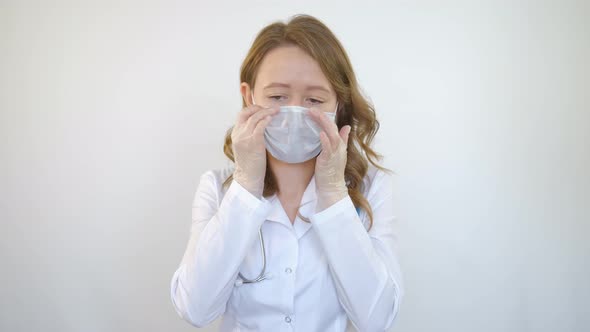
<point>110,111</point>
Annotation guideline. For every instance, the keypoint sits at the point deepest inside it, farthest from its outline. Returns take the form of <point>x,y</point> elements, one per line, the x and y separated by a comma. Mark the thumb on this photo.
<point>344,133</point>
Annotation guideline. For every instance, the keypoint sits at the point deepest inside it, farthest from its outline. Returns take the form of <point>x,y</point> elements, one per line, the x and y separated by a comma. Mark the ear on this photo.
<point>246,93</point>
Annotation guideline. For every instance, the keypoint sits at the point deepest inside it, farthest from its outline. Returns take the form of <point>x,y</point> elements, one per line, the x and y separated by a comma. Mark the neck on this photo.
<point>292,179</point>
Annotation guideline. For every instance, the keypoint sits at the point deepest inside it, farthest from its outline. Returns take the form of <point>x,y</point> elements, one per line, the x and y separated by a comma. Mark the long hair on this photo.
<point>312,36</point>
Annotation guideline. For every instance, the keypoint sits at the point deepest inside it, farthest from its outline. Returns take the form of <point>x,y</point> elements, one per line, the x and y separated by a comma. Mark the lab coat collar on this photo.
<point>307,208</point>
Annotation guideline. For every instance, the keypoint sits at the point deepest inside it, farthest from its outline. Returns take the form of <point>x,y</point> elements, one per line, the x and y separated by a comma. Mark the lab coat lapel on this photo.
<point>277,213</point>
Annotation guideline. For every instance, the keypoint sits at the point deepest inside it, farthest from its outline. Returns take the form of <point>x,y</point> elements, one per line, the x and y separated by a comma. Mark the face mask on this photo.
<point>292,136</point>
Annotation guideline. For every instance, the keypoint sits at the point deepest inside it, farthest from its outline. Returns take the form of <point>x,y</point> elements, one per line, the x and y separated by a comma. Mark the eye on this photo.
<point>275,97</point>
<point>315,101</point>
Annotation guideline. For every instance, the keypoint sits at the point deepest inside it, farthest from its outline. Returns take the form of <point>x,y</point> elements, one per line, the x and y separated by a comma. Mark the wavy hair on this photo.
<point>316,39</point>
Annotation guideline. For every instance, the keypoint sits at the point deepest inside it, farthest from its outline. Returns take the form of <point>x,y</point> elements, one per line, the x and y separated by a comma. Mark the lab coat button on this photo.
<point>288,270</point>
<point>288,319</point>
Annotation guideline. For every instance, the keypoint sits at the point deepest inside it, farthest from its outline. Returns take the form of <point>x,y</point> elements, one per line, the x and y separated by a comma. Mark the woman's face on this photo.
<point>289,76</point>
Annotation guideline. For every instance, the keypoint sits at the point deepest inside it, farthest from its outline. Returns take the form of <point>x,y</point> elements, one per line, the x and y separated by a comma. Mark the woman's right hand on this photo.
<point>248,147</point>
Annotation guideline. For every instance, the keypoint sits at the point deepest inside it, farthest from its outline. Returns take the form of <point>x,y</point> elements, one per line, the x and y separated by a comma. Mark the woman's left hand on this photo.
<point>331,162</point>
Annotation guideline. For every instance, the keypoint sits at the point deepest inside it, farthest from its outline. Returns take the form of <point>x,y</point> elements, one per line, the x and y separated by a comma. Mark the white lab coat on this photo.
<point>324,274</point>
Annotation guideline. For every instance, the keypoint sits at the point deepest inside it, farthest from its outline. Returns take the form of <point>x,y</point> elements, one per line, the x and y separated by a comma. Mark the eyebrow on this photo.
<point>284,85</point>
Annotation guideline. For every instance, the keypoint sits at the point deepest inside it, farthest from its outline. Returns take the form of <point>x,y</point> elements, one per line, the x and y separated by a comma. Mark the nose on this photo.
<point>293,102</point>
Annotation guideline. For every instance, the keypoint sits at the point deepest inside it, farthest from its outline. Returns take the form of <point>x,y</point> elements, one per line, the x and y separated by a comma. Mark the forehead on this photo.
<point>291,65</point>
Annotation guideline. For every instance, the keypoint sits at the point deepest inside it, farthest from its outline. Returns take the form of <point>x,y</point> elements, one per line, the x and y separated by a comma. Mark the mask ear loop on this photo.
<point>252,93</point>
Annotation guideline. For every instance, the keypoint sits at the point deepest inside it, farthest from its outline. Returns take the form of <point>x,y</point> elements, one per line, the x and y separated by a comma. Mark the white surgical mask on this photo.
<point>292,136</point>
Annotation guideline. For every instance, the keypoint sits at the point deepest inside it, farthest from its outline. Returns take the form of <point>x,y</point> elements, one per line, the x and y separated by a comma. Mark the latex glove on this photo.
<point>331,162</point>
<point>248,146</point>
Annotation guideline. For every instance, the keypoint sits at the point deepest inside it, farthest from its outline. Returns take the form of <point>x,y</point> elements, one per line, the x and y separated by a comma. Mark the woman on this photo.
<point>298,234</point>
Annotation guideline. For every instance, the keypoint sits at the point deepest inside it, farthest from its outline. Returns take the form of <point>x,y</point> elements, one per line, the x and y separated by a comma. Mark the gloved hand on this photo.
<point>331,162</point>
<point>248,146</point>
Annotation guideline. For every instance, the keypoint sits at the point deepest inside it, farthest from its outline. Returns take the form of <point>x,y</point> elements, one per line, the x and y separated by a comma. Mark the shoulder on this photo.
<point>377,188</point>
<point>212,180</point>
<point>217,175</point>
<point>377,182</point>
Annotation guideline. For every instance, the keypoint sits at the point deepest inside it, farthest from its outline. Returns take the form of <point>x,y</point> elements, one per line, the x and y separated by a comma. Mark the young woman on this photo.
<point>297,235</point>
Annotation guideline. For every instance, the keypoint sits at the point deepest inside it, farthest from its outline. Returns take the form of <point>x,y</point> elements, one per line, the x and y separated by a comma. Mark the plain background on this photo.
<point>111,110</point>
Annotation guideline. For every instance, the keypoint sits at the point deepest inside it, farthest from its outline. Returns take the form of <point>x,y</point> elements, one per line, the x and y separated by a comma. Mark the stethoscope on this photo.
<point>262,275</point>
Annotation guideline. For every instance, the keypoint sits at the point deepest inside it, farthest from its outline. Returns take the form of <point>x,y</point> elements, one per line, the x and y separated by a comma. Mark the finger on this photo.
<point>329,127</point>
<point>256,117</point>
<point>344,133</point>
<point>261,125</point>
<point>326,144</point>
<point>246,112</point>
<point>315,116</point>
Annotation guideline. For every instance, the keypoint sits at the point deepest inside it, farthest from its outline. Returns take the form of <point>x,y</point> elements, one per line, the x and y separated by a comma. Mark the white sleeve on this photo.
<point>220,235</point>
<point>364,265</point>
